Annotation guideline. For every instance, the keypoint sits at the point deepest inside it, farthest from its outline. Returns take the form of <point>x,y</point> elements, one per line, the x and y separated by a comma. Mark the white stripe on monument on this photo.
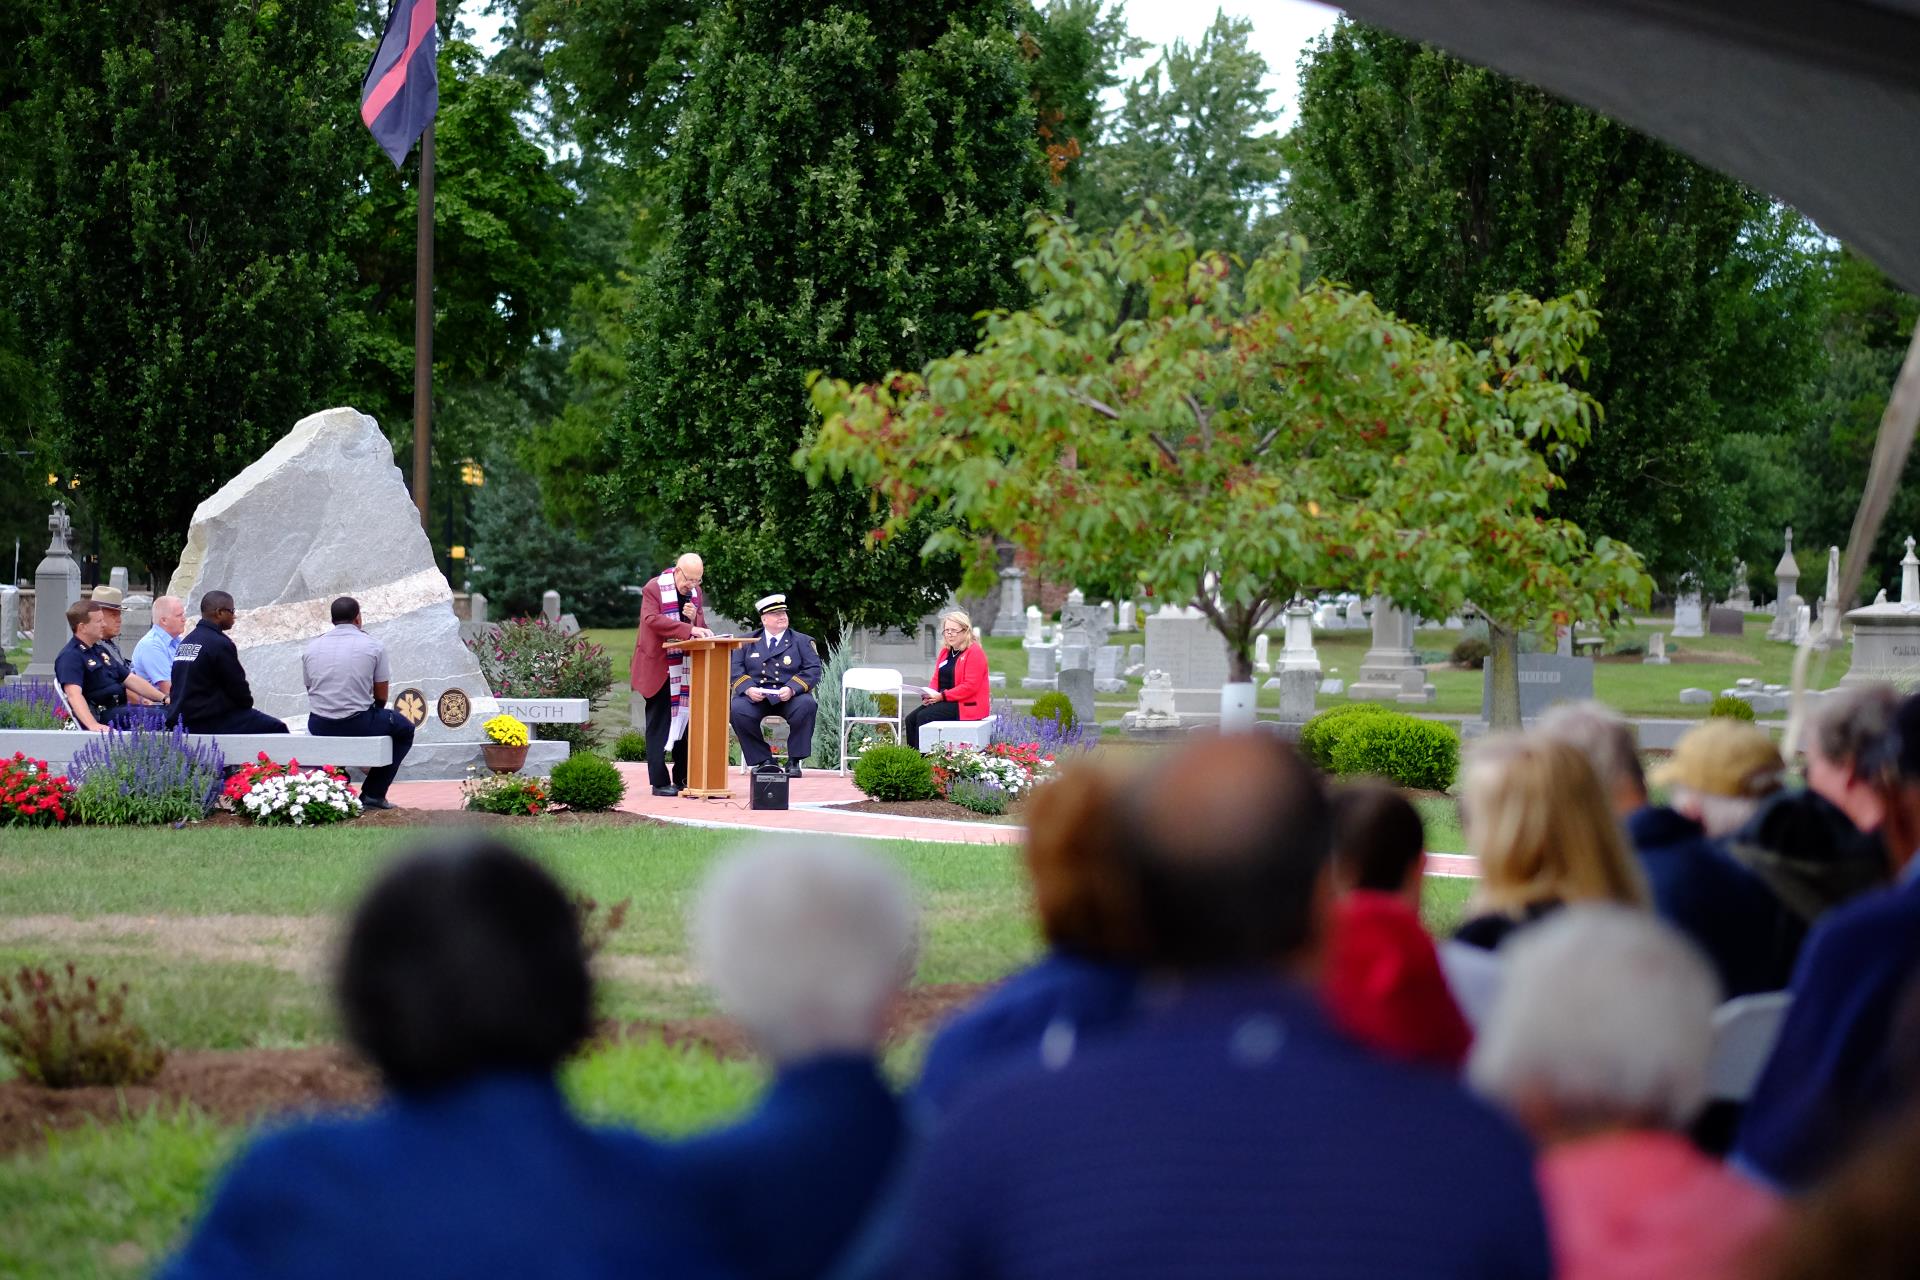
<point>305,619</point>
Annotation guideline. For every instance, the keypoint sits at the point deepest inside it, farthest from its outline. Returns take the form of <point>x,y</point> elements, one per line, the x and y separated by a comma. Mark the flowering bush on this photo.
<point>145,776</point>
<point>251,774</point>
<point>531,658</point>
<point>507,793</point>
<point>506,731</point>
<point>31,795</point>
<point>1050,736</point>
<point>307,799</point>
<point>988,798</point>
<point>1016,770</point>
<point>31,706</point>
<point>68,1033</point>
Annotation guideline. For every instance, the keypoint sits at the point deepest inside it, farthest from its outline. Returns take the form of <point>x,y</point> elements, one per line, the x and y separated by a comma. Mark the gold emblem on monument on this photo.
<point>453,708</point>
<point>413,705</point>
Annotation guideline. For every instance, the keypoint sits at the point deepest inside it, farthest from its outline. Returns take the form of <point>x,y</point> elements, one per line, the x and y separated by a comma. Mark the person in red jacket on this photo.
<point>670,609</point>
<point>958,690</point>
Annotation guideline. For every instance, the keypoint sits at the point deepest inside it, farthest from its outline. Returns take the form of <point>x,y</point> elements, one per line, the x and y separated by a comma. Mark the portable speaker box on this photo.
<point>769,788</point>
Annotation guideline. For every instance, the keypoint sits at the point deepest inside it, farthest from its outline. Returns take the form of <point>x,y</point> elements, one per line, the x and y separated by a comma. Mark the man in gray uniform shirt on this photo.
<point>346,674</point>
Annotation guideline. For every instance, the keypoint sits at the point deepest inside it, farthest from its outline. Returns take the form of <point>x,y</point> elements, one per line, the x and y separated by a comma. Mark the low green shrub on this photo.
<point>894,773</point>
<point>1731,707</point>
<point>1470,653</point>
<point>586,783</point>
<point>1405,749</point>
<point>1057,707</point>
<point>65,1032</point>
<point>886,704</point>
<point>1319,735</point>
<point>630,747</point>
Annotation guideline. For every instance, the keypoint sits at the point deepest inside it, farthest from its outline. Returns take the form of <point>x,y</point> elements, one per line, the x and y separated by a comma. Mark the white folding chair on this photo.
<point>875,680</point>
<point>1744,1031</point>
<point>72,721</point>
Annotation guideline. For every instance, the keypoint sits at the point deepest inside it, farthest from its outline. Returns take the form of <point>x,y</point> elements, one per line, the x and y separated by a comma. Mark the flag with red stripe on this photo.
<point>402,88</point>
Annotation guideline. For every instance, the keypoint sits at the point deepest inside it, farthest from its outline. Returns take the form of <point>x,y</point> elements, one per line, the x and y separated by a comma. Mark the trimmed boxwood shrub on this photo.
<point>586,783</point>
<point>1730,707</point>
<point>894,773</point>
<point>1404,749</point>
<point>1057,707</point>
<point>1319,735</point>
<point>1470,653</point>
<point>630,747</point>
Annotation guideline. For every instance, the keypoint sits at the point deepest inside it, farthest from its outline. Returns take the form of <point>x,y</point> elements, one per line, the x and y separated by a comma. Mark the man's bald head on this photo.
<point>1229,843</point>
<point>688,570</point>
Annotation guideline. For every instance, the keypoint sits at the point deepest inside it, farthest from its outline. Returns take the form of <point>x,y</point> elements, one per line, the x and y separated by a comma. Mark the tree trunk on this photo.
<point>1503,675</point>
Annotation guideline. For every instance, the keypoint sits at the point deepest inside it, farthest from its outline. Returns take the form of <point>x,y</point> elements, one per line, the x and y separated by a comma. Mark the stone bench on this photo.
<point>57,747</point>
<point>972,733</point>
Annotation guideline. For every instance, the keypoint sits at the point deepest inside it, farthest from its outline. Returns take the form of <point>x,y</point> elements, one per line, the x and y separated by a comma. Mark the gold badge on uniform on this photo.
<point>788,659</point>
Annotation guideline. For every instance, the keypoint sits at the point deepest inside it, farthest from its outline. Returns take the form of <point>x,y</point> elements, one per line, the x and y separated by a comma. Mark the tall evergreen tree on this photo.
<point>173,180</point>
<point>847,189</point>
<point>1436,184</point>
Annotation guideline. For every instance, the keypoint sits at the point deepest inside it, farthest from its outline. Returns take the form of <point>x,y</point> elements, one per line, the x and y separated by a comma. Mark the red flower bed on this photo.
<point>32,795</point>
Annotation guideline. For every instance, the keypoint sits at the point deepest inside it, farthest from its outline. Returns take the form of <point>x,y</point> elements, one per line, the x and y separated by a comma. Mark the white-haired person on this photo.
<point>959,688</point>
<point>1598,1046</point>
<point>806,944</point>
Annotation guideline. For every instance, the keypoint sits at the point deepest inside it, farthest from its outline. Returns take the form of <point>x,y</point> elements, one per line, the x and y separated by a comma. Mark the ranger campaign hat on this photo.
<point>775,603</point>
<point>106,598</point>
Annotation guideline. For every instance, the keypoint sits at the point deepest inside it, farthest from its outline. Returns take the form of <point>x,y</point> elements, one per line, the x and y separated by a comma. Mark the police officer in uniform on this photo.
<point>92,677</point>
<point>775,676</point>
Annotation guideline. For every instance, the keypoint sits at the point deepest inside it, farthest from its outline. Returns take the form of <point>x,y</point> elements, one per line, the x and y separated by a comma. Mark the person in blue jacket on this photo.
<point>775,675</point>
<point>464,982</point>
<point>1083,986</point>
<point>806,945</point>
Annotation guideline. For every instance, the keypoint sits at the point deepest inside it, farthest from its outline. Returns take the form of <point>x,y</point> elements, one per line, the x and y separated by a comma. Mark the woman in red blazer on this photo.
<point>958,690</point>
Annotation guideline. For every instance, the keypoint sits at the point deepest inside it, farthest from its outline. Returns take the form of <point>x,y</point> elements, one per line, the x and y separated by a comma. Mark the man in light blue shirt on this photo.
<point>153,656</point>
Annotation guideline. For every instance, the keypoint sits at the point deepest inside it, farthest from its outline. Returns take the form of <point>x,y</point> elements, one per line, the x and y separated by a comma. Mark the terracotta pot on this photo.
<point>502,759</point>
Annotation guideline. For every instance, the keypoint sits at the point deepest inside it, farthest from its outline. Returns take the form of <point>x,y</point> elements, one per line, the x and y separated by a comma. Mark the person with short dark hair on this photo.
<point>1228,1131</point>
<point>210,693</point>
<point>1382,980</point>
<point>94,682</point>
<point>464,982</point>
<point>347,679</point>
<point>1084,986</point>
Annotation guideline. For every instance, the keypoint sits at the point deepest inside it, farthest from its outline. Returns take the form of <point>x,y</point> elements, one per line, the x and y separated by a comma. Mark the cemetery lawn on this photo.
<point>224,935</point>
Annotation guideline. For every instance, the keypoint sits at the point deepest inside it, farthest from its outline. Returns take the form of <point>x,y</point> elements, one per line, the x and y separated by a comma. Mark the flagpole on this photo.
<point>423,328</point>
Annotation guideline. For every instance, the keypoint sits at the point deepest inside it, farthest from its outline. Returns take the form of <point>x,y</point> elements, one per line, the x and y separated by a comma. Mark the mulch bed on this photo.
<point>237,1086</point>
<point>926,809</point>
<point>404,817</point>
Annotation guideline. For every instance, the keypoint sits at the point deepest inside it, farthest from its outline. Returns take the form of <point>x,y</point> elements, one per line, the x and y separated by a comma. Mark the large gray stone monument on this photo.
<point>56,584</point>
<point>1077,684</point>
<point>1390,672</point>
<point>1786,581</point>
<point>1012,614</point>
<point>1299,653</point>
<point>1182,643</point>
<point>1886,635</point>
<point>325,513</point>
<point>1545,678</point>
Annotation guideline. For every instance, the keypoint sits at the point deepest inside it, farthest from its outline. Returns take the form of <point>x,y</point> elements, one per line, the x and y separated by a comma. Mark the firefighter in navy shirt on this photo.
<point>775,676</point>
<point>210,692</point>
<point>95,684</point>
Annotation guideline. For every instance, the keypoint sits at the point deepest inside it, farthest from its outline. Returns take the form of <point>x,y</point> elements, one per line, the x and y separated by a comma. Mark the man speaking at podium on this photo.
<point>669,610</point>
<point>775,676</point>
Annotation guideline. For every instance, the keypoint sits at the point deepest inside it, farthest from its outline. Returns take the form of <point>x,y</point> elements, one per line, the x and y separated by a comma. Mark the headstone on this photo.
<point>1725,621</point>
<point>1455,622</point>
<point>291,532</point>
<point>1036,626</point>
<point>1829,637</point>
<point>1156,713</point>
<point>569,625</point>
<point>1183,644</point>
<point>1299,654</point>
<point>136,619</point>
<point>1326,617</point>
<point>1333,688</point>
<point>1297,690</point>
<point>477,609</point>
<point>56,584</point>
<point>1786,581</point>
<point>1802,624</point>
<point>1910,576</point>
<point>550,607</point>
<point>1113,615</point>
<point>1129,616</point>
<point>1106,669</point>
<point>117,579</point>
<point>1741,597</point>
<point>1040,666</point>
<point>909,652</point>
<point>1076,596</point>
<point>1356,615</point>
<point>1688,621</point>
<point>1077,684</point>
<point>1012,614</point>
<point>1137,656</point>
<point>9,618</point>
<point>1075,657</point>
<point>1390,657</point>
<point>1083,623</point>
<point>1696,697</point>
<point>1657,650</point>
<point>1545,678</point>
<point>1563,642</point>
<point>1261,647</point>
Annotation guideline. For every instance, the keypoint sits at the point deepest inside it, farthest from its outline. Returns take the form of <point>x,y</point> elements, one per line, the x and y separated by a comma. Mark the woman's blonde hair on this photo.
<point>1535,815</point>
<point>960,616</point>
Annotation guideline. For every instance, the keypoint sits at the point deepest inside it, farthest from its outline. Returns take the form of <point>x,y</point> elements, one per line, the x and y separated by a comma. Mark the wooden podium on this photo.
<point>708,698</point>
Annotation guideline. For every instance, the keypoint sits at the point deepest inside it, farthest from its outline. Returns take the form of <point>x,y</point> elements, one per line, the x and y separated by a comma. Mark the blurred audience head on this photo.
<point>1893,764</point>
<point>806,943</point>
<point>1229,843</point>
<point>464,958</point>
<point>1535,815</point>
<point>1845,728</point>
<point>1608,741</point>
<point>1862,1224</point>
<point>1081,889</point>
<point>1721,772</point>
<point>1604,1021</point>
<point>1379,843</point>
